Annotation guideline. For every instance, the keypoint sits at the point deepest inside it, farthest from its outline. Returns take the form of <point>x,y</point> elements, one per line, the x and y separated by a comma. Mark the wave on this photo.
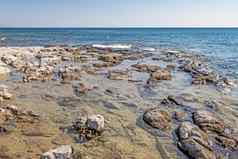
<point>112,46</point>
<point>151,49</point>
<point>3,38</point>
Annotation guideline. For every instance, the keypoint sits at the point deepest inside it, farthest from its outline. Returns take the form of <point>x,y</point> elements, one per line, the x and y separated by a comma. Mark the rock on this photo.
<point>194,142</point>
<point>88,127</point>
<point>227,142</point>
<point>118,75</point>
<point>208,121</point>
<point>179,116</point>
<point>163,74</point>
<point>95,122</point>
<point>81,88</point>
<point>4,93</point>
<point>63,152</point>
<point>111,57</point>
<point>146,68</point>
<point>157,118</point>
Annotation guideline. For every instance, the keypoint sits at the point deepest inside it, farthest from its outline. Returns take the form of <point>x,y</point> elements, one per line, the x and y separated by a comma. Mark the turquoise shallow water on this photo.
<point>219,44</point>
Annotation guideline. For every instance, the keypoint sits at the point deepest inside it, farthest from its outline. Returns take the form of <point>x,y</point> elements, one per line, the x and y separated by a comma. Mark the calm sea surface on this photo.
<point>220,45</point>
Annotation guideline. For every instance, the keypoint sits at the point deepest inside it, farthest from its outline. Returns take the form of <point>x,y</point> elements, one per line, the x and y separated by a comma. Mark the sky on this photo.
<point>118,13</point>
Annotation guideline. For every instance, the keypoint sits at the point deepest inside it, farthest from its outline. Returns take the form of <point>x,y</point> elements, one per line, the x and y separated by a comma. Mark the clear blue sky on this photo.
<point>115,13</point>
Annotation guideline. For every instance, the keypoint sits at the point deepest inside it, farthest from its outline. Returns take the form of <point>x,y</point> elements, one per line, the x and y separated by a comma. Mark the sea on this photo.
<point>219,45</point>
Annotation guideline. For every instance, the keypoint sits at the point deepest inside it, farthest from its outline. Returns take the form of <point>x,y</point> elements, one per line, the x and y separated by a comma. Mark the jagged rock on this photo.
<point>208,121</point>
<point>157,118</point>
<point>227,142</point>
<point>62,152</point>
<point>194,142</point>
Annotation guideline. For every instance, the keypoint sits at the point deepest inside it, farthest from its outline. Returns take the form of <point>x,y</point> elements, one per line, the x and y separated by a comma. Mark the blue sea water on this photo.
<point>220,45</point>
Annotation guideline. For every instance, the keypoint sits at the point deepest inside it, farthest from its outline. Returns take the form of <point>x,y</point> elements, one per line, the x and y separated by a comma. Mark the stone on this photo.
<point>227,142</point>
<point>82,88</point>
<point>157,118</point>
<point>62,152</point>
<point>95,122</point>
<point>194,142</point>
<point>163,74</point>
<point>208,121</point>
<point>179,116</point>
<point>118,75</point>
<point>146,68</point>
<point>4,92</point>
<point>111,57</point>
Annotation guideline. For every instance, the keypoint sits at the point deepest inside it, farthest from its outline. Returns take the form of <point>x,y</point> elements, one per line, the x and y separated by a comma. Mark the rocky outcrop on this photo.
<point>157,118</point>
<point>194,142</point>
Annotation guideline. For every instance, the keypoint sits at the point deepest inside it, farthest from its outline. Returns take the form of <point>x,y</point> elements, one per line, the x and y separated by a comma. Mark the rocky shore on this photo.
<point>85,102</point>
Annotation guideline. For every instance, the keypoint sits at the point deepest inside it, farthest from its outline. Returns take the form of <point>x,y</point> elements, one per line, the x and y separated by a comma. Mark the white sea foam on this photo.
<point>112,46</point>
<point>3,38</point>
<point>149,49</point>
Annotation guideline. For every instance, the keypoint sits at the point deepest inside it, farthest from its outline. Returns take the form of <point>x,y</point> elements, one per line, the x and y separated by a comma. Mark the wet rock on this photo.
<point>37,74</point>
<point>227,142</point>
<point>89,127</point>
<point>111,57</point>
<point>172,100</point>
<point>69,74</point>
<point>208,121</point>
<point>63,152</point>
<point>95,122</point>
<point>118,75</point>
<point>157,118</point>
<point>179,116</point>
<point>163,74</point>
<point>146,68</point>
<point>194,142</point>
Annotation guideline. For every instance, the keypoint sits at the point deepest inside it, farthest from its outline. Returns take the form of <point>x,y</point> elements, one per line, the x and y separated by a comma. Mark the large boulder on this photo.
<point>194,142</point>
<point>157,118</point>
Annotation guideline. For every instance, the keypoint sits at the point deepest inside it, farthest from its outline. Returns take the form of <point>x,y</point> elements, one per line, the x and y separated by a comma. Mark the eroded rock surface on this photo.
<point>194,142</point>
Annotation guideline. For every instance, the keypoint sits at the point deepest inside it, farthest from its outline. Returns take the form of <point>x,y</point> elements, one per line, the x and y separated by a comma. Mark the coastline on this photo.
<point>61,84</point>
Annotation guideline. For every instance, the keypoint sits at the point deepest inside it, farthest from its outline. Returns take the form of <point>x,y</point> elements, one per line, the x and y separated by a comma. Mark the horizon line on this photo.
<point>112,27</point>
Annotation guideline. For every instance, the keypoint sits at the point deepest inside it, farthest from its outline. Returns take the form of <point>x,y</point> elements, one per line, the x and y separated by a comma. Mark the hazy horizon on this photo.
<point>121,13</point>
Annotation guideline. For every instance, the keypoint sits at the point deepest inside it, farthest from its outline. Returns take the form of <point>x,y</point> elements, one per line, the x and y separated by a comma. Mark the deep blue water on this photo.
<point>219,44</point>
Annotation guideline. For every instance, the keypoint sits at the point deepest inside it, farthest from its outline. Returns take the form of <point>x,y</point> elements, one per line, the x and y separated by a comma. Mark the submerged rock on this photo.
<point>194,142</point>
<point>157,118</point>
<point>62,152</point>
